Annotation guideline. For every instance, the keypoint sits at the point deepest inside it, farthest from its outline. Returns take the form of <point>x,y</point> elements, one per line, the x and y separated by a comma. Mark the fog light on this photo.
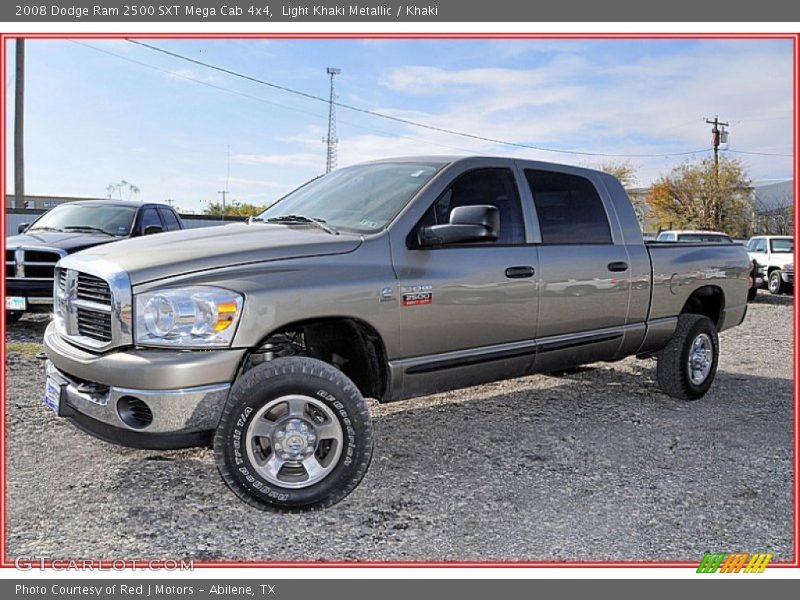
<point>134,412</point>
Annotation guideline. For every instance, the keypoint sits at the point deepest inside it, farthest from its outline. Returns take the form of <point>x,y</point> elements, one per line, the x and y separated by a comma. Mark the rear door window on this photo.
<point>569,208</point>
<point>169,218</point>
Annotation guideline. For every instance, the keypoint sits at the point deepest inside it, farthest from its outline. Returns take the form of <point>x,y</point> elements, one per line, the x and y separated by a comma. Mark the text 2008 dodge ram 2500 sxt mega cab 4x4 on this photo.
<point>389,280</point>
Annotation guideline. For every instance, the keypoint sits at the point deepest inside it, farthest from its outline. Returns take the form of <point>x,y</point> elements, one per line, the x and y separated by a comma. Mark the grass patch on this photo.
<point>29,348</point>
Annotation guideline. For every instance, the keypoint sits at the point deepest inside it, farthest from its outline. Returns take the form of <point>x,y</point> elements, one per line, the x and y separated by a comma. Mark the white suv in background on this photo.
<point>773,256</point>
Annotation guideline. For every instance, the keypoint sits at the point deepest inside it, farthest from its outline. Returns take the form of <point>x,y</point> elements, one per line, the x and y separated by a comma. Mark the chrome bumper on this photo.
<point>178,411</point>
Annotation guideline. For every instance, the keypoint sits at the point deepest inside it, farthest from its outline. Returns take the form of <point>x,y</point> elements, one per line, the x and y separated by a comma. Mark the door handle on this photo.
<point>618,266</point>
<point>519,272</point>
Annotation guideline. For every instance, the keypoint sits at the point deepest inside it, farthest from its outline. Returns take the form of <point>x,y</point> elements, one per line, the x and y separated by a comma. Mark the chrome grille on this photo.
<point>32,263</point>
<point>95,325</point>
<point>93,289</point>
<point>92,303</point>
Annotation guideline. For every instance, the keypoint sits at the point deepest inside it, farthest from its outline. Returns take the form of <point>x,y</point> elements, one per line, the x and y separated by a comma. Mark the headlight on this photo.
<point>199,316</point>
<point>788,267</point>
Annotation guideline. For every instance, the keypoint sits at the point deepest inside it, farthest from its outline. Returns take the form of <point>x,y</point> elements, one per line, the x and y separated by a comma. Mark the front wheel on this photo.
<point>775,283</point>
<point>687,365</point>
<point>295,434</point>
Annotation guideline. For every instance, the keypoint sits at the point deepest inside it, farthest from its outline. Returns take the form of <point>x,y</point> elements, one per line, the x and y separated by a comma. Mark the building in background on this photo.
<point>773,208</point>
<point>43,202</point>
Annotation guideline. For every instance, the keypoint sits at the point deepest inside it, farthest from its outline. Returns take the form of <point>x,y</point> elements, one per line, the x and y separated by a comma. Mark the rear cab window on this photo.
<point>569,209</point>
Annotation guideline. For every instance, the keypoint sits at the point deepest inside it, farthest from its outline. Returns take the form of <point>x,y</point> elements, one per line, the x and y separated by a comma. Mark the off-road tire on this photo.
<point>672,369</point>
<point>271,380</point>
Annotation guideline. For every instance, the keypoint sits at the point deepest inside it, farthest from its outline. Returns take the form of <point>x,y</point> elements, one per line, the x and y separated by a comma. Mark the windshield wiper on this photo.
<point>87,228</point>
<point>45,228</point>
<point>301,219</point>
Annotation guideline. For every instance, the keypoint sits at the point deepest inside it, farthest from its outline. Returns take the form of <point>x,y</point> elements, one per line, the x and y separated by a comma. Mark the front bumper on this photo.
<point>185,391</point>
<point>38,292</point>
<point>787,276</point>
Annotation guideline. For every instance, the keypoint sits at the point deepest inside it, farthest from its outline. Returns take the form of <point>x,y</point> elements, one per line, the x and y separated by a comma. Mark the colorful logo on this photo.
<point>734,562</point>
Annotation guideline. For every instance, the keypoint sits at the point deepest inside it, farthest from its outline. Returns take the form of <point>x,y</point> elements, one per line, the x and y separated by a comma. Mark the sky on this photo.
<point>101,111</point>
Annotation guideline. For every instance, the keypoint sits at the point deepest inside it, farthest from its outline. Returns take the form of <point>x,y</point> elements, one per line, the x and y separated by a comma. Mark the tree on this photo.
<point>234,209</point>
<point>122,188</point>
<point>700,196</point>
<point>624,171</point>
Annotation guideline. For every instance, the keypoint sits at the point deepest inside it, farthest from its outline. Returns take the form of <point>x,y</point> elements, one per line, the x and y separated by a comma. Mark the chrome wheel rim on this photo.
<point>774,282</point>
<point>294,441</point>
<point>701,358</point>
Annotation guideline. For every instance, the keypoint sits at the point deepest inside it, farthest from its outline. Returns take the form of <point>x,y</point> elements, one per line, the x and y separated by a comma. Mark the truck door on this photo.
<point>585,276</point>
<point>468,311</point>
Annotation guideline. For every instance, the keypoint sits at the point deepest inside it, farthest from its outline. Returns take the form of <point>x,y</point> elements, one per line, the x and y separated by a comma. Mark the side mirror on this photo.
<point>479,223</point>
<point>22,227</point>
<point>151,229</point>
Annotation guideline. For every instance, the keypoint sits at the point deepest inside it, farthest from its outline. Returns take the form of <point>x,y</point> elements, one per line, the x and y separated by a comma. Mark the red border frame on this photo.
<point>5,563</point>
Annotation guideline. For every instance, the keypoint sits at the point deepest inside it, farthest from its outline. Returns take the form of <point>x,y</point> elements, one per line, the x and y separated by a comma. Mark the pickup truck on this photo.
<point>389,280</point>
<point>773,259</point>
<point>32,255</point>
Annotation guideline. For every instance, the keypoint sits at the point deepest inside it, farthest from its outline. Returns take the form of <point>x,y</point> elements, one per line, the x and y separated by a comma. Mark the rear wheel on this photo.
<point>296,434</point>
<point>775,282</point>
<point>687,365</point>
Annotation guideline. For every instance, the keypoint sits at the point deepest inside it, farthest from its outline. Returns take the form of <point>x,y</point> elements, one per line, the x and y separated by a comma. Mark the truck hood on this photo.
<point>191,250</point>
<point>69,241</point>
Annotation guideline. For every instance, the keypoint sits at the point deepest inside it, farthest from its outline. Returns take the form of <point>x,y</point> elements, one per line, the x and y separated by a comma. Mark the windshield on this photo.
<point>782,245</point>
<point>704,237</point>
<point>113,220</point>
<point>364,198</point>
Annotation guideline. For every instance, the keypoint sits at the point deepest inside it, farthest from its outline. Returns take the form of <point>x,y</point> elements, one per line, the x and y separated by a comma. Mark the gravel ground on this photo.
<point>597,465</point>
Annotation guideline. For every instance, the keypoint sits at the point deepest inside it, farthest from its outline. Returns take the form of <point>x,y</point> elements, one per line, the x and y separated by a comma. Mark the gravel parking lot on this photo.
<point>595,465</point>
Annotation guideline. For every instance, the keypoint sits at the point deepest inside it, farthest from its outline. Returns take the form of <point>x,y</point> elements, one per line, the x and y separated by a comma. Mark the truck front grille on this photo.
<point>93,289</point>
<point>84,308</point>
<point>95,325</point>
<point>30,263</point>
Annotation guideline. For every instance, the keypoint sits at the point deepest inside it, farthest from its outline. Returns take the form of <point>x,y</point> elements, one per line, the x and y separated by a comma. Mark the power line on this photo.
<point>402,120</point>
<point>228,90</point>
<point>757,153</point>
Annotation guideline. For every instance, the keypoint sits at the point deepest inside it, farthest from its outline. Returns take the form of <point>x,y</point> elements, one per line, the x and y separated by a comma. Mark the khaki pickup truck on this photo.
<point>388,280</point>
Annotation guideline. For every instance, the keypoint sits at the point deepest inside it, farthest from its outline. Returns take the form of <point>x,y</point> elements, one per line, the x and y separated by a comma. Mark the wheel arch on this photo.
<point>708,300</point>
<point>350,344</point>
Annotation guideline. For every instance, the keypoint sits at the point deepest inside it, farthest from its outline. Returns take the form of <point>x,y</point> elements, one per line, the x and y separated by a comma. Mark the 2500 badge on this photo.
<point>416,295</point>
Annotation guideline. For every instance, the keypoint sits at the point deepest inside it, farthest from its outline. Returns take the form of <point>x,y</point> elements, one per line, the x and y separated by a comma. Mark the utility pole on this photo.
<point>224,194</point>
<point>19,126</point>
<point>332,140</point>
<point>719,135</point>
